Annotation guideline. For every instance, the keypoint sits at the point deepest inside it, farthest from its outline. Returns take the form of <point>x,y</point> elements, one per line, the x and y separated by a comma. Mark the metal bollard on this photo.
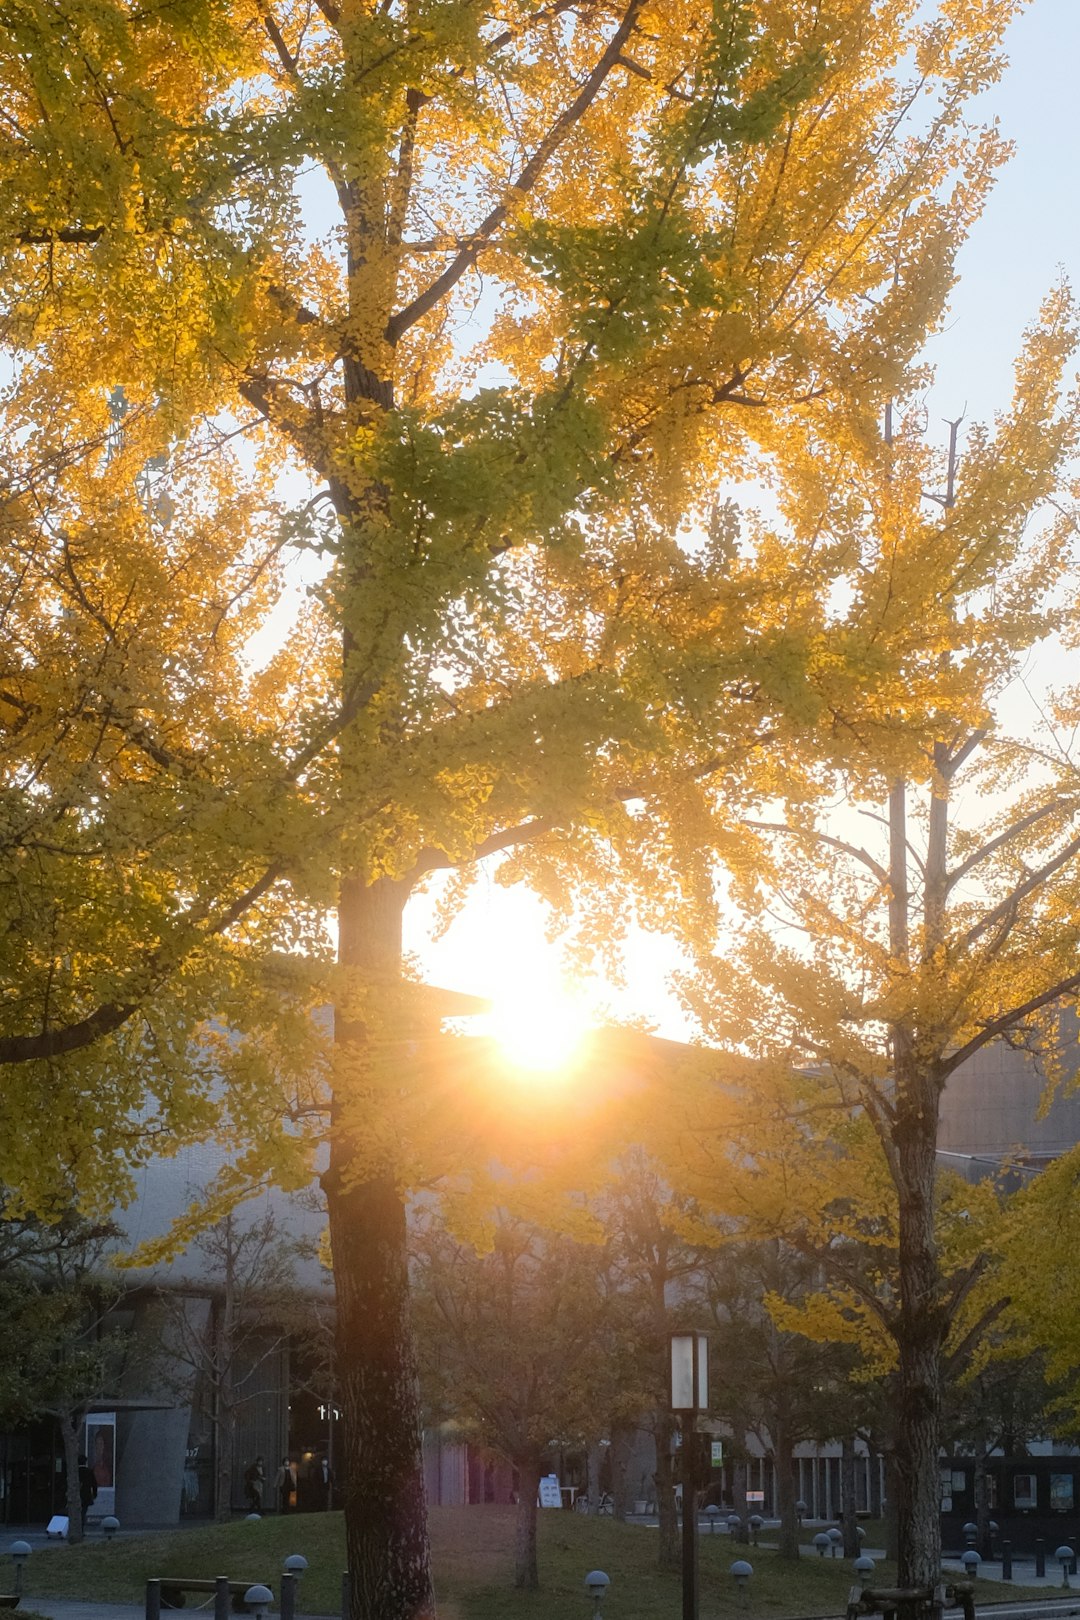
<point>1006,1560</point>
<point>1040,1558</point>
<point>153,1600</point>
<point>287,1609</point>
<point>346,1597</point>
<point>221,1597</point>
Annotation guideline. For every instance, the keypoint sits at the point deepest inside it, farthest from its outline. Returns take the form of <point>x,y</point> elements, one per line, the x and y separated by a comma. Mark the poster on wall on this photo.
<point>100,1449</point>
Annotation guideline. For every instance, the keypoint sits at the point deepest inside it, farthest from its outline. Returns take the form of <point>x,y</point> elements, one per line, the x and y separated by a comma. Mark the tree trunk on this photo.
<point>622,1443</point>
<point>921,1332</point>
<point>670,1549</point>
<point>848,1521</point>
<point>984,1538</point>
<point>784,1468</point>
<point>874,1473</point>
<point>592,1477</point>
<point>892,1522</point>
<point>70,1425</point>
<point>922,1318</point>
<point>380,1442</point>
<point>526,1572</point>
<point>380,1455</point>
<point>738,1492</point>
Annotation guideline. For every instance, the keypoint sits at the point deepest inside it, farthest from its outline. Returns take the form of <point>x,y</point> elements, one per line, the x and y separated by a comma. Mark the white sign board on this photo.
<point>550,1494</point>
<point>755,1496</point>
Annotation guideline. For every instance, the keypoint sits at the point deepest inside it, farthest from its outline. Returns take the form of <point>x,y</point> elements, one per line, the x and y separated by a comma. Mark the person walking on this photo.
<point>285,1483</point>
<point>254,1483</point>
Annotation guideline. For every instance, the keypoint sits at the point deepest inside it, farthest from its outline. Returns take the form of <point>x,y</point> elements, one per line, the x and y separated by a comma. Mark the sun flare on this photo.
<point>539,1031</point>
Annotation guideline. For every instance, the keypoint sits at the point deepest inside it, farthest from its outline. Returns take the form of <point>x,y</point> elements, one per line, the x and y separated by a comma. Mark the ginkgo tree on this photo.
<point>909,906</point>
<point>500,301</point>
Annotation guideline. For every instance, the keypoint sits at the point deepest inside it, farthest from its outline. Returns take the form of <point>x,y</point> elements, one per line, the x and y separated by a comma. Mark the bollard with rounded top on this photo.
<point>295,1564</point>
<point>249,1516</point>
<point>712,1513</point>
<point>864,1567</point>
<point>836,1541</point>
<point>258,1599</point>
<point>742,1572</point>
<point>755,1521</point>
<point>970,1533</point>
<point>20,1552</point>
<point>596,1584</point>
<point>860,1534</point>
<point>801,1510</point>
<point>734,1523</point>
<point>1064,1555</point>
<point>110,1524</point>
<point>822,1543</point>
<point>971,1562</point>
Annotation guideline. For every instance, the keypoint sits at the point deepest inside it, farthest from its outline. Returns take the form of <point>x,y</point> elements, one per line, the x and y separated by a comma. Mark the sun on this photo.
<point>539,1028</point>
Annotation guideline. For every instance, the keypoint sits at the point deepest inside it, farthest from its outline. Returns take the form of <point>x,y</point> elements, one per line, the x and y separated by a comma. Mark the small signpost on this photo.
<point>550,1494</point>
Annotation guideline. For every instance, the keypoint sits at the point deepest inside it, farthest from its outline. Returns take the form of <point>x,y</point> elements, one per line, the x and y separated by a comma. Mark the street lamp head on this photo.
<point>689,1372</point>
<point>20,1551</point>
<point>596,1583</point>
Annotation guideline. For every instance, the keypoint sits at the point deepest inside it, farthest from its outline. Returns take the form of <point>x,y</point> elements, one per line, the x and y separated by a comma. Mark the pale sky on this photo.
<point>1029,234</point>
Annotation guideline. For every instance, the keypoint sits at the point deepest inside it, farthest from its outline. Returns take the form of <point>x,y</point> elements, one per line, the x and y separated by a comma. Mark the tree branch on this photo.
<point>467,255</point>
<point>1007,1021</point>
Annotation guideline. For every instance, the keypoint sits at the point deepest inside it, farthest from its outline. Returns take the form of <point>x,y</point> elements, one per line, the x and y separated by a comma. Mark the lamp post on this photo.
<point>689,1396</point>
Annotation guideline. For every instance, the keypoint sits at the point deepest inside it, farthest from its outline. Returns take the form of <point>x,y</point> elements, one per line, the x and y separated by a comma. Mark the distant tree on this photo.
<point>776,1383</point>
<point>655,1248</point>
<point>256,1312</point>
<point>515,1345</point>
<point>917,899</point>
<point>63,1346</point>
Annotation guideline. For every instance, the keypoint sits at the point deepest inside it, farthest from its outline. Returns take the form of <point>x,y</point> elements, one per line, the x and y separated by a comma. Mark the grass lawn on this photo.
<point>472,1551</point>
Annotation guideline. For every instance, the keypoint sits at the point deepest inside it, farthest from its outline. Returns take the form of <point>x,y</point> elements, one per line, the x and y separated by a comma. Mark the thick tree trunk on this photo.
<point>785,1493</point>
<point>848,1521</point>
<point>70,1425</point>
<point>526,1571</point>
<point>670,1548</point>
<point>380,1458</point>
<point>379,1444</point>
